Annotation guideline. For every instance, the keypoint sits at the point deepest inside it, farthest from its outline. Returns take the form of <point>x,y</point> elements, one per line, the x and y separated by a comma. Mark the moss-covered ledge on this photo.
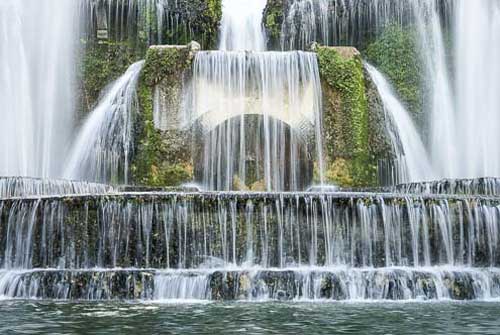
<point>351,132</point>
<point>162,155</point>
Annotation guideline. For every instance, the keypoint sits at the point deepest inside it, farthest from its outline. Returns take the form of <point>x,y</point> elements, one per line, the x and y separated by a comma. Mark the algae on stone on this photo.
<point>163,155</point>
<point>395,53</point>
<point>350,122</point>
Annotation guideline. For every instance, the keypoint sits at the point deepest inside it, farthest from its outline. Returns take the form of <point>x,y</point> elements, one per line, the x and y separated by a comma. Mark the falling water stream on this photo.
<point>241,26</point>
<point>274,149</point>
<point>102,150</point>
<point>241,80</point>
<point>416,165</point>
<point>36,79</point>
<point>459,49</point>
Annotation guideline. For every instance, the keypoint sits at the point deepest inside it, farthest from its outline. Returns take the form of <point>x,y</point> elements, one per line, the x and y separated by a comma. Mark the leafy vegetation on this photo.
<point>395,53</point>
<point>346,128</point>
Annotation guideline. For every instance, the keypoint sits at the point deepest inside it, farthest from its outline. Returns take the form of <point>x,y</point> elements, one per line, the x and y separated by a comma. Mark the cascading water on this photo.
<point>241,26</point>
<point>303,245</point>
<point>36,79</point>
<point>339,22</point>
<point>282,88</point>
<point>461,77</point>
<point>477,74</point>
<point>443,130</point>
<point>414,162</point>
<point>259,114</point>
<point>274,151</point>
<point>102,150</point>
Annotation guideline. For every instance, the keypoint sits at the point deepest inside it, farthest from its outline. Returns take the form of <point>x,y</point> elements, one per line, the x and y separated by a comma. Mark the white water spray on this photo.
<point>103,147</point>
<point>241,26</point>
<point>414,159</point>
<point>477,72</point>
<point>37,54</point>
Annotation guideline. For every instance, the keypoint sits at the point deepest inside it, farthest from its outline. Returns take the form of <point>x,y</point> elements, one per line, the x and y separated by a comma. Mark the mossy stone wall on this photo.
<point>353,119</point>
<point>395,53</point>
<point>273,19</point>
<point>163,156</point>
<point>101,64</point>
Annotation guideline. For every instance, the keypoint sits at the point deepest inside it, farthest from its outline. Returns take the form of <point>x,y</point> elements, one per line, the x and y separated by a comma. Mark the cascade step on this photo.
<point>253,284</point>
<point>184,230</point>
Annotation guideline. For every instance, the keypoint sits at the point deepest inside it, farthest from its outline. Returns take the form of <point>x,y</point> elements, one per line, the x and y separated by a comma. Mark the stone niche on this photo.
<point>355,139</point>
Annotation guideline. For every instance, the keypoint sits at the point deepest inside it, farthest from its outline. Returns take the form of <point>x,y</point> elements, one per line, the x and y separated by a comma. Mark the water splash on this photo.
<point>254,284</point>
<point>102,150</point>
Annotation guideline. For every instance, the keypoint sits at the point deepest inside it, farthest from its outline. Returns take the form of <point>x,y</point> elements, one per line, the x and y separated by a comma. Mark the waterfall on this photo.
<point>339,22</point>
<point>258,111</point>
<point>265,230</point>
<point>102,149</point>
<point>414,162</point>
<point>126,20</point>
<point>36,79</point>
<point>477,73</point>
<point>261,246</point>
<point>275,149</point>
<point>241,26</point>
<point>443,130</point>
<point>461,73</point>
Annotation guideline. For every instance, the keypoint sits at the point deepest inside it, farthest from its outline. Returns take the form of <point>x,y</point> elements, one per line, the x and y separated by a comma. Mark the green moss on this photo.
<point>346,119</point>
<point>100,65</point>
<point>273,19</point>
<point>395,53</point>
<point>159,159</point>
<point>164,62</point>
<point>339,172</point>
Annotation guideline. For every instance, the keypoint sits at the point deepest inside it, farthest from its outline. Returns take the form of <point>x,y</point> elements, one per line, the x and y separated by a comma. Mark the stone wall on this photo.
<point>164,149</point>
<point>353,119</point>
<point>354,123</point>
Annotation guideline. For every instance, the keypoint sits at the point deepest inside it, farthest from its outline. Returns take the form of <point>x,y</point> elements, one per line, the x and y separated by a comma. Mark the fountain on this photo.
<point>261,224</point>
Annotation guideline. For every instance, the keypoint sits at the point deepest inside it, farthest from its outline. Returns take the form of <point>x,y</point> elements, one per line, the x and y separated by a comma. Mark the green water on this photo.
<point>18,317</point>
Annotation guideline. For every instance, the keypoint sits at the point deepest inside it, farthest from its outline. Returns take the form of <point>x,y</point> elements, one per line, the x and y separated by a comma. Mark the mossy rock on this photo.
<point>101,64</point>
<point>395,53</point>
<point>163,157</point>
<point>273,19</point>
<point>346,119</point>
